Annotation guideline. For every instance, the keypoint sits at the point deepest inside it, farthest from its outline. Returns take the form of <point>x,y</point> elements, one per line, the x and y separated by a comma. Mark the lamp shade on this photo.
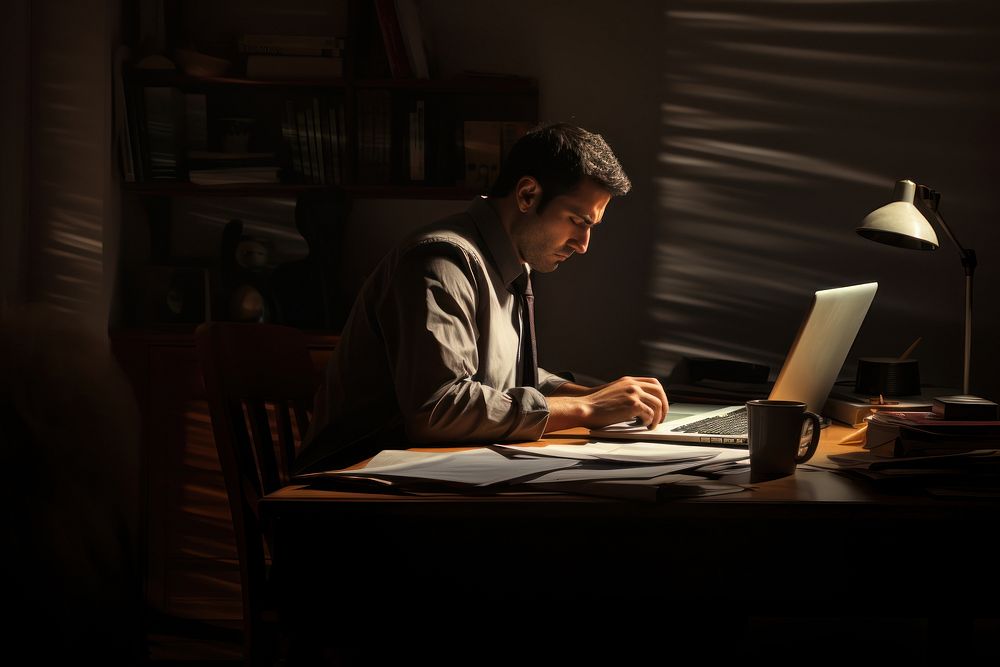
<point>900,223</point>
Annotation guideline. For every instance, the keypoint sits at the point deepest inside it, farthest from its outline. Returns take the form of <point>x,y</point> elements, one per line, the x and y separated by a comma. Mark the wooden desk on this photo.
<point>812,545</point>
<point>812,522</point>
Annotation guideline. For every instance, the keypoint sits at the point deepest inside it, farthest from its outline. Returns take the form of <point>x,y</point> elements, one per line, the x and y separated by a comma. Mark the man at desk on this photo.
<point>439,346</point>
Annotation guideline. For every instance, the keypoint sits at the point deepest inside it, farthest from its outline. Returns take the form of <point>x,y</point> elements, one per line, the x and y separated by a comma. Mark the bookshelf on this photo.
<point>350,132</point>
<point>374,118</point>
<point>362,146</point>
<point>195,121</point>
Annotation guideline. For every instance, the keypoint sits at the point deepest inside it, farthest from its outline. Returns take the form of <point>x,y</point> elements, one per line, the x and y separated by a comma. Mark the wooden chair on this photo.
<point>260,382</point>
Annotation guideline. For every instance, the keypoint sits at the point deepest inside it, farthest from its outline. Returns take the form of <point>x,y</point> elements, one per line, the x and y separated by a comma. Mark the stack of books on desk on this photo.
<point>848,407</point>
<point>946,458</point>
<point>894,434</point>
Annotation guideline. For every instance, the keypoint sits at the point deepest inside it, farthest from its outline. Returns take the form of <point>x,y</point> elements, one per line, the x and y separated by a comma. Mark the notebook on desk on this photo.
<point>807,374</point>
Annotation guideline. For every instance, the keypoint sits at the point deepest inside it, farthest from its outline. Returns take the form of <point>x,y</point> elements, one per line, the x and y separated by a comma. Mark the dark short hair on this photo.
<point>559,156</point>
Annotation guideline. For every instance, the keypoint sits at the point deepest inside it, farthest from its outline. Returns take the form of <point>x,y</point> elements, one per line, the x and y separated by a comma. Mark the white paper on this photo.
<point>476,467</point>
<point>632,472</point>
<point>628,452</point>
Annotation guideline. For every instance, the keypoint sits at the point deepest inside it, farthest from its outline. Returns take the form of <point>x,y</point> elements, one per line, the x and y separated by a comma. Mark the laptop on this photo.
<point>808,373</point>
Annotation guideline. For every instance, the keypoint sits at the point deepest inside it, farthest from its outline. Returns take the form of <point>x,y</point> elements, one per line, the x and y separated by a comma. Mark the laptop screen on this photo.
<point>822,343</point>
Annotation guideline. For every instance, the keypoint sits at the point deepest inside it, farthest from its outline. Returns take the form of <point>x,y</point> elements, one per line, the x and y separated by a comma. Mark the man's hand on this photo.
<point>625,399</point>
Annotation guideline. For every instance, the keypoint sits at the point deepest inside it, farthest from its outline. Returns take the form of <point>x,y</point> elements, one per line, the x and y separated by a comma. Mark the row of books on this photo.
<point>165,136</point>
<point>374,136</point>
<point>485,145</point>
<point>438,148</point>
<point>315,132</point>
<point>402,35</point>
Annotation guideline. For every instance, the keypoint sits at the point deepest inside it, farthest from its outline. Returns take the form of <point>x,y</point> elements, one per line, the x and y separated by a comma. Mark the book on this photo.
<point>852,409</point>
<point>336,161</point>
<point>313,122</point>
<point>965,407</point>
<point>481,142</point>
<point>291,68</point>
<point>510,132</point>
<point>392,37</point>
<point>922,433</point>
<point>290,136</point>
<point>326,129</point>
<point>416,144</point>
<point>341,161</point>
<point>374,136</point>
<point>196,120</point>
<point>413,37</point>
<point>486,145</point>
<point>342,150</point>
<point>123,132</point>
<point>164,107</point>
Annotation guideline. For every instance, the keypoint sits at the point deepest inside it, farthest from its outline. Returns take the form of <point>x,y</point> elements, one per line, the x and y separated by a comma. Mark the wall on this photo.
<point>14,110</point>
<point>71,236</point>
<point>784,124</point>
<point>757,135</point>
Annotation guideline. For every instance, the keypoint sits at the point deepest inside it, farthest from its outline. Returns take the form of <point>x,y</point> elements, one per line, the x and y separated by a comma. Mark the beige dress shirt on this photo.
<point>429,353</point>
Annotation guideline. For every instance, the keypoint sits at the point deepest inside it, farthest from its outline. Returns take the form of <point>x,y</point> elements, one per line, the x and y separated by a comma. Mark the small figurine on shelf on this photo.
<point>246,279</point>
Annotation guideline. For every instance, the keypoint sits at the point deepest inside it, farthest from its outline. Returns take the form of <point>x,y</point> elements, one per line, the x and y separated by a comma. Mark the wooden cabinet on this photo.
<point>190,561</point>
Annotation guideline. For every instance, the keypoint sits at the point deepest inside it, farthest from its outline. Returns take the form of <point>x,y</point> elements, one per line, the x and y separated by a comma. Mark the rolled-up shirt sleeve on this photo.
<point>429,322</point>
<point>549,382</point>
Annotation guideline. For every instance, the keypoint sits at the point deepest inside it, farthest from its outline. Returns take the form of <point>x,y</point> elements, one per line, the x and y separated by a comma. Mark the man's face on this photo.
<point>546,240</point>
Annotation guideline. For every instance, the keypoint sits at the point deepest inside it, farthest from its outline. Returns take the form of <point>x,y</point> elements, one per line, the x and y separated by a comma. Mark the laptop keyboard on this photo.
<point>732,423</point>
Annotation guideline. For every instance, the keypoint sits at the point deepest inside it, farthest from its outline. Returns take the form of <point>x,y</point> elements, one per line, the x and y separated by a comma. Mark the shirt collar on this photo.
<point>497,241</point>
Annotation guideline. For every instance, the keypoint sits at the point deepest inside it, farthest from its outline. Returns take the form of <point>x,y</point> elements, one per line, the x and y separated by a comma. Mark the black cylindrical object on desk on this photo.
<point>887,376</point>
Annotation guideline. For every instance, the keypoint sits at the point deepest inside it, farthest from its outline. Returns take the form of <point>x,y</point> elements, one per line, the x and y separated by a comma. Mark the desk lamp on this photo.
<point>905,222</point>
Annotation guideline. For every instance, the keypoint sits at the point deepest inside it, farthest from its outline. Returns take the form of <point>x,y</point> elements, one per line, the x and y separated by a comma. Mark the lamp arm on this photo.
<point>927,201</point>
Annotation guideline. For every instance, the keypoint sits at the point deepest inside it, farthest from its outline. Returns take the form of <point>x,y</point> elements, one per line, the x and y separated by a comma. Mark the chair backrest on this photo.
<point>260,382</point>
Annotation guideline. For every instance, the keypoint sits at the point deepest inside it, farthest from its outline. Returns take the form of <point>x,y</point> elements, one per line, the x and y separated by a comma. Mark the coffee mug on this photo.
<point>775,434</point>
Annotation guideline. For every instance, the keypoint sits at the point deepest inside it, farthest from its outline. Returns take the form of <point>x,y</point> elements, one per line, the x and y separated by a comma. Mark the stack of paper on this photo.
<point>633,470</point>
<point>966,473</point>
<point>909,434</point>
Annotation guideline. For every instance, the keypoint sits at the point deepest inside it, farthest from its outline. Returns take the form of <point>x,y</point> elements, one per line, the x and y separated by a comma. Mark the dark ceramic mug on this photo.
<point>775,430</point>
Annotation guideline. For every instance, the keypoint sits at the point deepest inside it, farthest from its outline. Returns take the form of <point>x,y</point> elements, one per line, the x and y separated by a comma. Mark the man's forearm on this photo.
<point>625,399</point>
<point>571,389</point>
<point>567,412</point>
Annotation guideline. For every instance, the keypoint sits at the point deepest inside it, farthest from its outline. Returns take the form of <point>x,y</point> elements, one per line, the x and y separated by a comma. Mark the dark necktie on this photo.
<point>529,353</point>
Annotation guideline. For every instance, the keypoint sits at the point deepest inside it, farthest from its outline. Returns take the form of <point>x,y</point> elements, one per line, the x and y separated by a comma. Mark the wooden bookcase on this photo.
<point>191,567</point>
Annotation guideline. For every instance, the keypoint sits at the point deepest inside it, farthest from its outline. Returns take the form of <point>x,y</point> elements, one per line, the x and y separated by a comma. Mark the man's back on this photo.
<point>429,352</point>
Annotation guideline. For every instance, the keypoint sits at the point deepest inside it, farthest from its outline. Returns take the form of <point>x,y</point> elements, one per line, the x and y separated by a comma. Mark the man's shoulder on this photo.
<point>455,234</point>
